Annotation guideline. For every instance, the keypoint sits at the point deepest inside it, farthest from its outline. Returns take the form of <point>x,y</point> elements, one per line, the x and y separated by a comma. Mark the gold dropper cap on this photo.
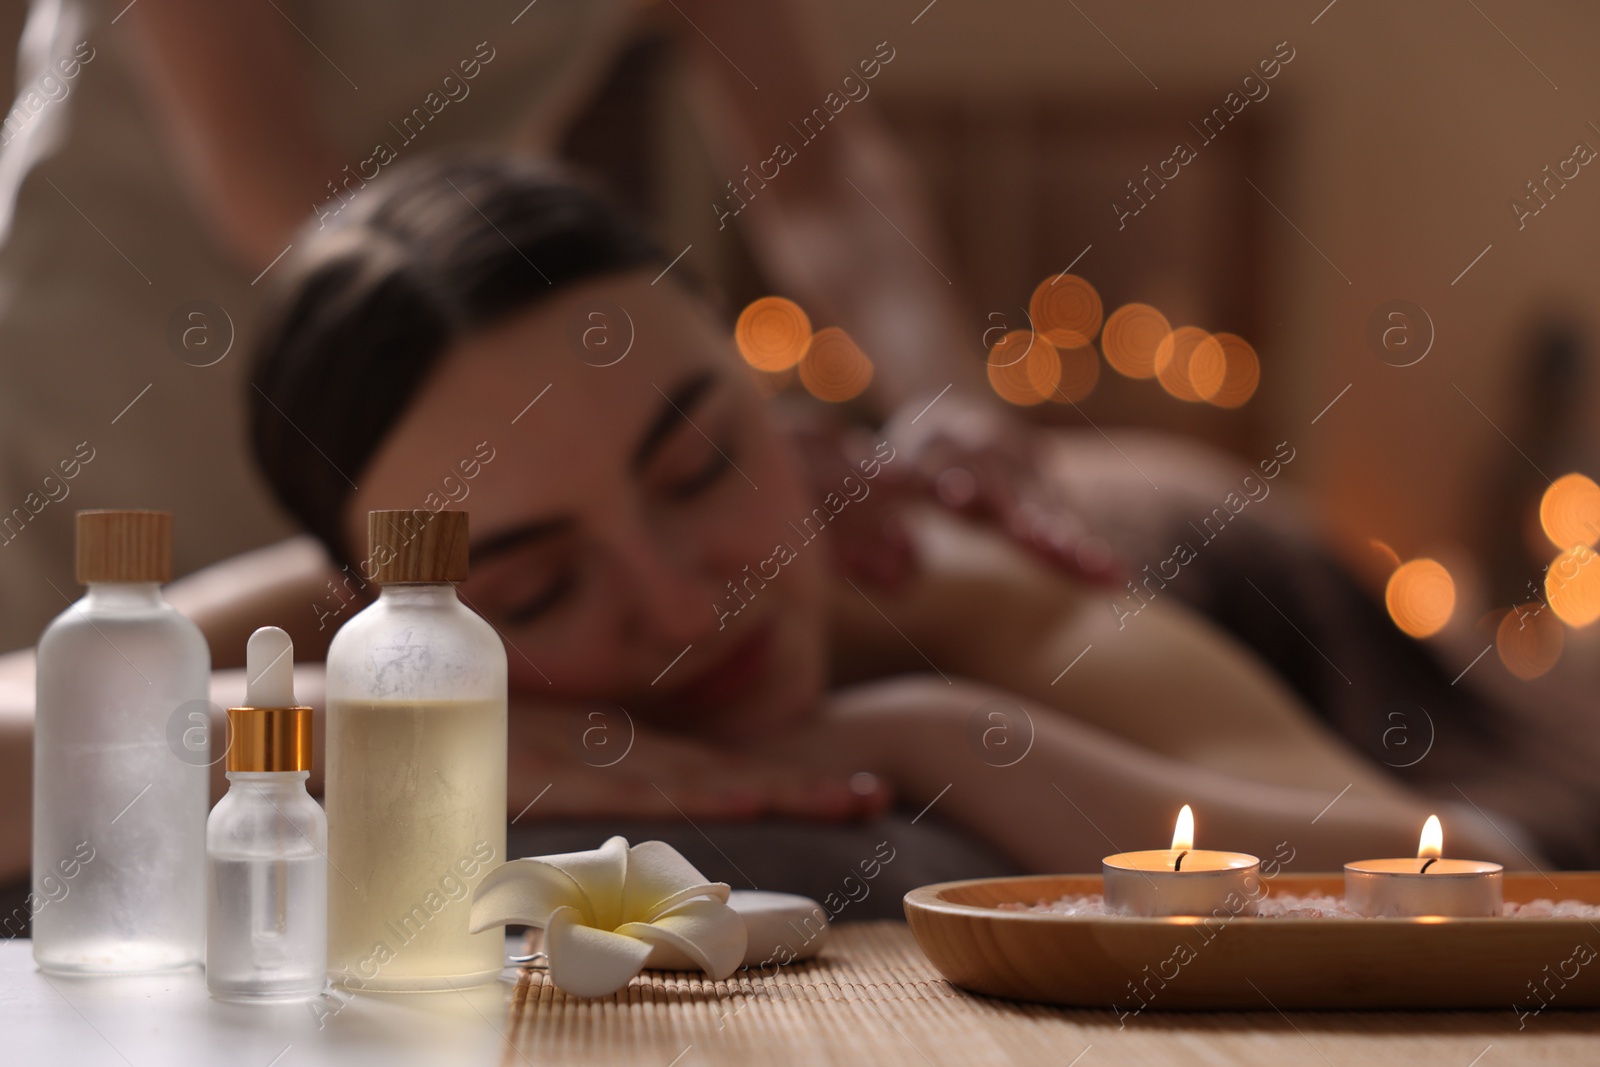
<point>119,545</point>
<point>269,739</point>
<point>271,731</point>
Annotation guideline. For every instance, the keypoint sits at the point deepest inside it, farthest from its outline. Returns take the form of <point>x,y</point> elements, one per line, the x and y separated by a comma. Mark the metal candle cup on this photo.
<point>1426,885</point>
<point>1181,880</point>
<point>1146,883</point>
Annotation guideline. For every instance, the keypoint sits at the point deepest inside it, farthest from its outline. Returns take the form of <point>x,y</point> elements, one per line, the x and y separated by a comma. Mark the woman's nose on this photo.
<point>671,602</point>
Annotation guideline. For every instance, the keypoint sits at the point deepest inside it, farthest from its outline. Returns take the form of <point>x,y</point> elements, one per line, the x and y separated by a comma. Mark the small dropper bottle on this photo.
<point>267,844</point>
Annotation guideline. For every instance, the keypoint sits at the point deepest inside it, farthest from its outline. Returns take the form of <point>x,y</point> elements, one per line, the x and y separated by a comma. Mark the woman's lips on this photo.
<point>734,673</point>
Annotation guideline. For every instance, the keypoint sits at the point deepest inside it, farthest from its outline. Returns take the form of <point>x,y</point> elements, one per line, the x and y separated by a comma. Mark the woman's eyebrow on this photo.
<point>518,536</point>
<point>683,399</point>
<point>679,403</point>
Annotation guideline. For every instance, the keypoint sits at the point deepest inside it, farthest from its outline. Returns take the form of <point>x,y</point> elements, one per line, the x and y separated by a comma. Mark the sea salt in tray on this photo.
<point>1047,938</point>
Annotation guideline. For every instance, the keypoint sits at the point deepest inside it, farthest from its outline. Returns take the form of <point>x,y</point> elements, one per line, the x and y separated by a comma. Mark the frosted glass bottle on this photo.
<point>267,844</point>
<point>416,772</point>
<point>120,754</point>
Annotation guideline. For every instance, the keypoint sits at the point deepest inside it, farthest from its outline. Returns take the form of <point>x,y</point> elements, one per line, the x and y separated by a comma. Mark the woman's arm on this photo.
<point>280,585</point>
<point>558,768</point>
<point>291,584</point>
<point>16,764</point>
<point>1058,795</point>
<point>229,84</point>
<point>16,746</point>
<point>843,225</point>
<point>569,760</point>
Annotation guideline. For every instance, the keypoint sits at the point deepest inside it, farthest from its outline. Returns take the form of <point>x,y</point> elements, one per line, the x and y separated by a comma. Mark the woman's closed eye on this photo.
<point>695,456</point>
<point>717,463</point>
<point>554,592</point>
<point>524,584</point>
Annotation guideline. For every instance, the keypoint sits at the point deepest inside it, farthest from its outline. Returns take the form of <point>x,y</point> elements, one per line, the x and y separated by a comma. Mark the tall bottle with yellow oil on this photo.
<point>416,767</point>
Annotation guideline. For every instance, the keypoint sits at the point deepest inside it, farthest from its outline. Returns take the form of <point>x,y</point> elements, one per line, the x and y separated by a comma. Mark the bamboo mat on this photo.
<point>872,998</point>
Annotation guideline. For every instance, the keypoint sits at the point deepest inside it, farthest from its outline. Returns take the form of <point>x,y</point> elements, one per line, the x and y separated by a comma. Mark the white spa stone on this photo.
<point>782,927</point>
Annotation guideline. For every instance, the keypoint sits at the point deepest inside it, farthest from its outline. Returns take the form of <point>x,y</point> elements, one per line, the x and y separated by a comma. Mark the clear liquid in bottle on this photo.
<point>120,755</point>
<point>267,844</point>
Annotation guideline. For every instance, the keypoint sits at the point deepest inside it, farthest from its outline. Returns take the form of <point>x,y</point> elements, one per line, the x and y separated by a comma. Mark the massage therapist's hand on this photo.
<point>867,539</point>
<point>598,763</point>
<point>980,460</point>
<point>970,458</point>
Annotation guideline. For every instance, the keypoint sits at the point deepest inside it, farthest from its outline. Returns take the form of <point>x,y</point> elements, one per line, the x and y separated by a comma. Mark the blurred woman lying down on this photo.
<point>643,540</point>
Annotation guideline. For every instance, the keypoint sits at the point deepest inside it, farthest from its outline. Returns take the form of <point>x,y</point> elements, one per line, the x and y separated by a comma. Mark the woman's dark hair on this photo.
<point>416,260</point>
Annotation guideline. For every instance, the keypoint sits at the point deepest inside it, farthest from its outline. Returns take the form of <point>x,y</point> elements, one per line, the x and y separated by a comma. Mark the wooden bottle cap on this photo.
<point>124,546</point>
<point>417,546</point>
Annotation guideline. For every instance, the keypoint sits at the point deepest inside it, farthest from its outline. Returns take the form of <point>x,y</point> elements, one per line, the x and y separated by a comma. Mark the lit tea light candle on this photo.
<point>1182,880</point>
<point>1426,885</point>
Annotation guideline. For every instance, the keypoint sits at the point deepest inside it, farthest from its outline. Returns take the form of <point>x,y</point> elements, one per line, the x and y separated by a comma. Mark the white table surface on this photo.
<point>170,1021</point>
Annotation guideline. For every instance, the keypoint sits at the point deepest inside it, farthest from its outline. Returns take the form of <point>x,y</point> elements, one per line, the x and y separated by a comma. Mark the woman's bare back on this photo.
<point>1167,680</point>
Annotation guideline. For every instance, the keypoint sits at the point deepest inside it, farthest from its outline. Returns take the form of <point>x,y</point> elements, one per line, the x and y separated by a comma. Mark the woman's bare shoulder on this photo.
<point>974,590</point>
<point>291,583</point>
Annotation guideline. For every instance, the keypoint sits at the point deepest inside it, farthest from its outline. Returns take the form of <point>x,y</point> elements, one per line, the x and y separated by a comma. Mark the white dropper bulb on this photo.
<point>269,669</point>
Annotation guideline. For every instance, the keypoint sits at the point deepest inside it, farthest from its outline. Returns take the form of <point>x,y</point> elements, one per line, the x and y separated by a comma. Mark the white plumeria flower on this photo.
<point>603,912</point>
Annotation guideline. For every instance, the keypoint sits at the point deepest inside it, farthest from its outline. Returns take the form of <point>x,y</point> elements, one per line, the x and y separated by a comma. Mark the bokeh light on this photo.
<point>1572,586</point>
<point>1242,373</point>
<point>1066,310</point>
<point>1208,368</point>
<point>1569,512</point>
<point>1529,640</point>
<point>1421,597</point>
<point>1181,354</point>
<point>1132,336</point>
<point>834,367</point>
<point>1080,373</point>
<point>1390,558</point>
<point>772,333</point>
<point>1024,368</point>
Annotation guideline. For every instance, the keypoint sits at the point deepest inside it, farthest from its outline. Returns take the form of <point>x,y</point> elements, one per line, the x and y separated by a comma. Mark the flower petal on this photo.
<point>587,962</point>
<point>525,891</point>
<point>601,873</point>
<point>706,931</point>
<point>659,878</point>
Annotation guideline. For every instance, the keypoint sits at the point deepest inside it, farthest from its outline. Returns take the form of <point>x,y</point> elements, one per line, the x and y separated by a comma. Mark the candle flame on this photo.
<point>1432,844</point>
<point>1183,833</point>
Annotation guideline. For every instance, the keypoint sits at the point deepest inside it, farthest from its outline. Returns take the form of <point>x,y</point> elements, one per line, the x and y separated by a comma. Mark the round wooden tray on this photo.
<point>1133,965</point>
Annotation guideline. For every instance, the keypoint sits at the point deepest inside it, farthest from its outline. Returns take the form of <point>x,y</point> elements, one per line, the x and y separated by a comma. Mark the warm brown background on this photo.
<point>1394,142</point>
